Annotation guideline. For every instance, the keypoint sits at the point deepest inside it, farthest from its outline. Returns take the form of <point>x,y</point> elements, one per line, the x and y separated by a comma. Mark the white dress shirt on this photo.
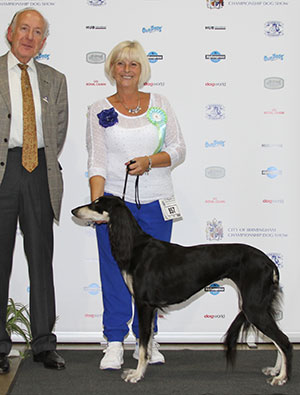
<point>14,79</point>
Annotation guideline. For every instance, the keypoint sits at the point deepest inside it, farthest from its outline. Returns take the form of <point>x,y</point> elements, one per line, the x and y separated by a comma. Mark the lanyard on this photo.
<point>137,197</point>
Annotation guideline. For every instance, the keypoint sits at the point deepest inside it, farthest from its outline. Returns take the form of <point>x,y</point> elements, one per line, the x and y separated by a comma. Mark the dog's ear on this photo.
<point>121,231</point>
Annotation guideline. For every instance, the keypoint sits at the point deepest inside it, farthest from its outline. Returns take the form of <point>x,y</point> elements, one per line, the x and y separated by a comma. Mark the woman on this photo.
<point>139,130</point>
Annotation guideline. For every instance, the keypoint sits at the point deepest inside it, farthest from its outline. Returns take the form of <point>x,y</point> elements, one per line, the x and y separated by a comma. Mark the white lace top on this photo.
<point>110,148</point>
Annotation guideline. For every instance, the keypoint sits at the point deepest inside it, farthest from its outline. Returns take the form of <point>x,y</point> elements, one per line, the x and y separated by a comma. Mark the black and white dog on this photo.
<point>159,274</point>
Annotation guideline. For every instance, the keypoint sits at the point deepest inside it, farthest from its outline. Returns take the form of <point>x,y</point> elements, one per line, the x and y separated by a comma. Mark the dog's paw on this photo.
<point>277,380</point>
<point>131,376</point>
<point>270,371</point>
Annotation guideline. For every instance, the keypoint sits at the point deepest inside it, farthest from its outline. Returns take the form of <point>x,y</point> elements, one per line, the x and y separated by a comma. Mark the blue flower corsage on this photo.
<point>108,117</point>
<point>158,118</point>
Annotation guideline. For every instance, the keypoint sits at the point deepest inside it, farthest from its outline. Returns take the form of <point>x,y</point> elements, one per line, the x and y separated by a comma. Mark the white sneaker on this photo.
<point>156,357</point>
<point>113,358</point>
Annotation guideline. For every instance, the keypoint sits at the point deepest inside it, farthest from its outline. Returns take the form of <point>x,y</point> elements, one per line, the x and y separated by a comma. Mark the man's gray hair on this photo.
<point>17,14</point>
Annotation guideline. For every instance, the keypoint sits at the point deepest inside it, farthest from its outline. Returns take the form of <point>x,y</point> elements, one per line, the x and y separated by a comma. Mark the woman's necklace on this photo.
<point>135,110</point>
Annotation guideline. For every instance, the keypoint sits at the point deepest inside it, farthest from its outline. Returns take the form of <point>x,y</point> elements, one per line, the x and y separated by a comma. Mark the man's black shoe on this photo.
<point>50,359</point>
<point>4,364</point>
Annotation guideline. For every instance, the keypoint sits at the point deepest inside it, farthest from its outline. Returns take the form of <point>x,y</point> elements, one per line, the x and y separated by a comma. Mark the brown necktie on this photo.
<point>29,150</point>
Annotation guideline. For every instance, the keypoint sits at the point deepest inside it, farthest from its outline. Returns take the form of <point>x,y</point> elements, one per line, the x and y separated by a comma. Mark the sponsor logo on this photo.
<point>255,232</point>
<point>215,4</point>
<point>274,29</point>
<point>274,111</point>
<point>152,29</point>
<point>214,230</point>
<point>27,3</point>
<point>91,315</point>
<point>277,258</point>
<point>43,56</point>
<point>151,84</point>
<point>92,289</point>
<point>259,3</point>
<point>215,84</point>
<point>213,316</point>
<point>215,172</point>
<point>215,200</point>
<point>271,172</point>
<point>215,27</point>
<point>96,2</point>
<point>153,57</point>
<point>274,83</point>
<point>271,201</point>
<point>215,56</point>
<point>214,289</point>
<point>215,143</point>
<point>215,112</point>
<point>272,145</point>
<point>95,57</point>
<point>273,57</point>
<point>95,83</point>
<point>93,27</point>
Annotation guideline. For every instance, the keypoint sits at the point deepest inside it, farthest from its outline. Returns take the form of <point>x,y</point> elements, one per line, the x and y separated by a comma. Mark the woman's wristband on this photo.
<point>149,165</point>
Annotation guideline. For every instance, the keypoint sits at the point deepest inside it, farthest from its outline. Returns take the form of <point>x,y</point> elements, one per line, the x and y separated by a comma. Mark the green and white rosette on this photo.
<point>158,118</point>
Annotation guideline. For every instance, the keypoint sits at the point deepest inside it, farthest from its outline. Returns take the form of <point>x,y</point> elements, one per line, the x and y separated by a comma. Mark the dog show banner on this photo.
<point>230,70</point>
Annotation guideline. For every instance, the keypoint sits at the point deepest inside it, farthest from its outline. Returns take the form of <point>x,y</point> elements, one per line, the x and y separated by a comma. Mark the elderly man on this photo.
<point>33,124</point>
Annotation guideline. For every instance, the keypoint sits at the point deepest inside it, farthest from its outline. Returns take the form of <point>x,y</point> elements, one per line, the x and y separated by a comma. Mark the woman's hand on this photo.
<point>138,166</point>
<point>143,164</point>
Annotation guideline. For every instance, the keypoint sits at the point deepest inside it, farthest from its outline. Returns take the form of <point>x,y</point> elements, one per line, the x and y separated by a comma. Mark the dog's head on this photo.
<point>99,209</point>
<point>122,224</point>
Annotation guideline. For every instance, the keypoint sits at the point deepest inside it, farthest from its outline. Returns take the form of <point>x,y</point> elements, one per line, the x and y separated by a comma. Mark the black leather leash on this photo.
<point>137,197</point>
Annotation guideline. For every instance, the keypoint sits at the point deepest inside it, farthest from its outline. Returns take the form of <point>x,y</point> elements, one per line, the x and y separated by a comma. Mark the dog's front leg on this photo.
<point>135,375</point>
<point>146,317</point>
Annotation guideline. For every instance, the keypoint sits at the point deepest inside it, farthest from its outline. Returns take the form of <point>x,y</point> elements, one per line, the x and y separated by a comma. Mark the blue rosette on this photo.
<point>108,117</point>
<point>158,118</point>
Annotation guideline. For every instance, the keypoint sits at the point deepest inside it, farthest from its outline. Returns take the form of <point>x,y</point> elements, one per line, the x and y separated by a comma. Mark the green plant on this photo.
<point>18,321</point>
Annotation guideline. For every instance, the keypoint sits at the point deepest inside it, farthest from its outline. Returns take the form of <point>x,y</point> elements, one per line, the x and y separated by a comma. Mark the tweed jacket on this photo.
<point>54,104</point>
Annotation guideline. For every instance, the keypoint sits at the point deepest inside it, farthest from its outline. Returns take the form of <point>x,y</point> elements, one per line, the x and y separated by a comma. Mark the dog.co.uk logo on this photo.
<point>215,4</point>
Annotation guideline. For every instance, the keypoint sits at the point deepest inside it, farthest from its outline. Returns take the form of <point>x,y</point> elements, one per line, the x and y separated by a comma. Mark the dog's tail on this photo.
<point>232,335</point>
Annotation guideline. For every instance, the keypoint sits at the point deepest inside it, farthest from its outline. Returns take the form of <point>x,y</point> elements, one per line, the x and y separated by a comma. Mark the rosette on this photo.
<point>158,118</point>
<point>108,117</point>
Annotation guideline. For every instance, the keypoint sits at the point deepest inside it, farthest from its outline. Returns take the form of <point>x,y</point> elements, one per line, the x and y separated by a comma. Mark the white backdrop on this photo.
<point>231,72</point>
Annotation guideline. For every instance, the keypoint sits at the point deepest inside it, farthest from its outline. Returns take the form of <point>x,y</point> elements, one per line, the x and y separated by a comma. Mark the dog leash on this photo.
<point>137,196</point>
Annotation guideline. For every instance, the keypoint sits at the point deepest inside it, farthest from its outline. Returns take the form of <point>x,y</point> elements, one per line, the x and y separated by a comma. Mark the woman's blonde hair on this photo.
<point>130,51</point>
